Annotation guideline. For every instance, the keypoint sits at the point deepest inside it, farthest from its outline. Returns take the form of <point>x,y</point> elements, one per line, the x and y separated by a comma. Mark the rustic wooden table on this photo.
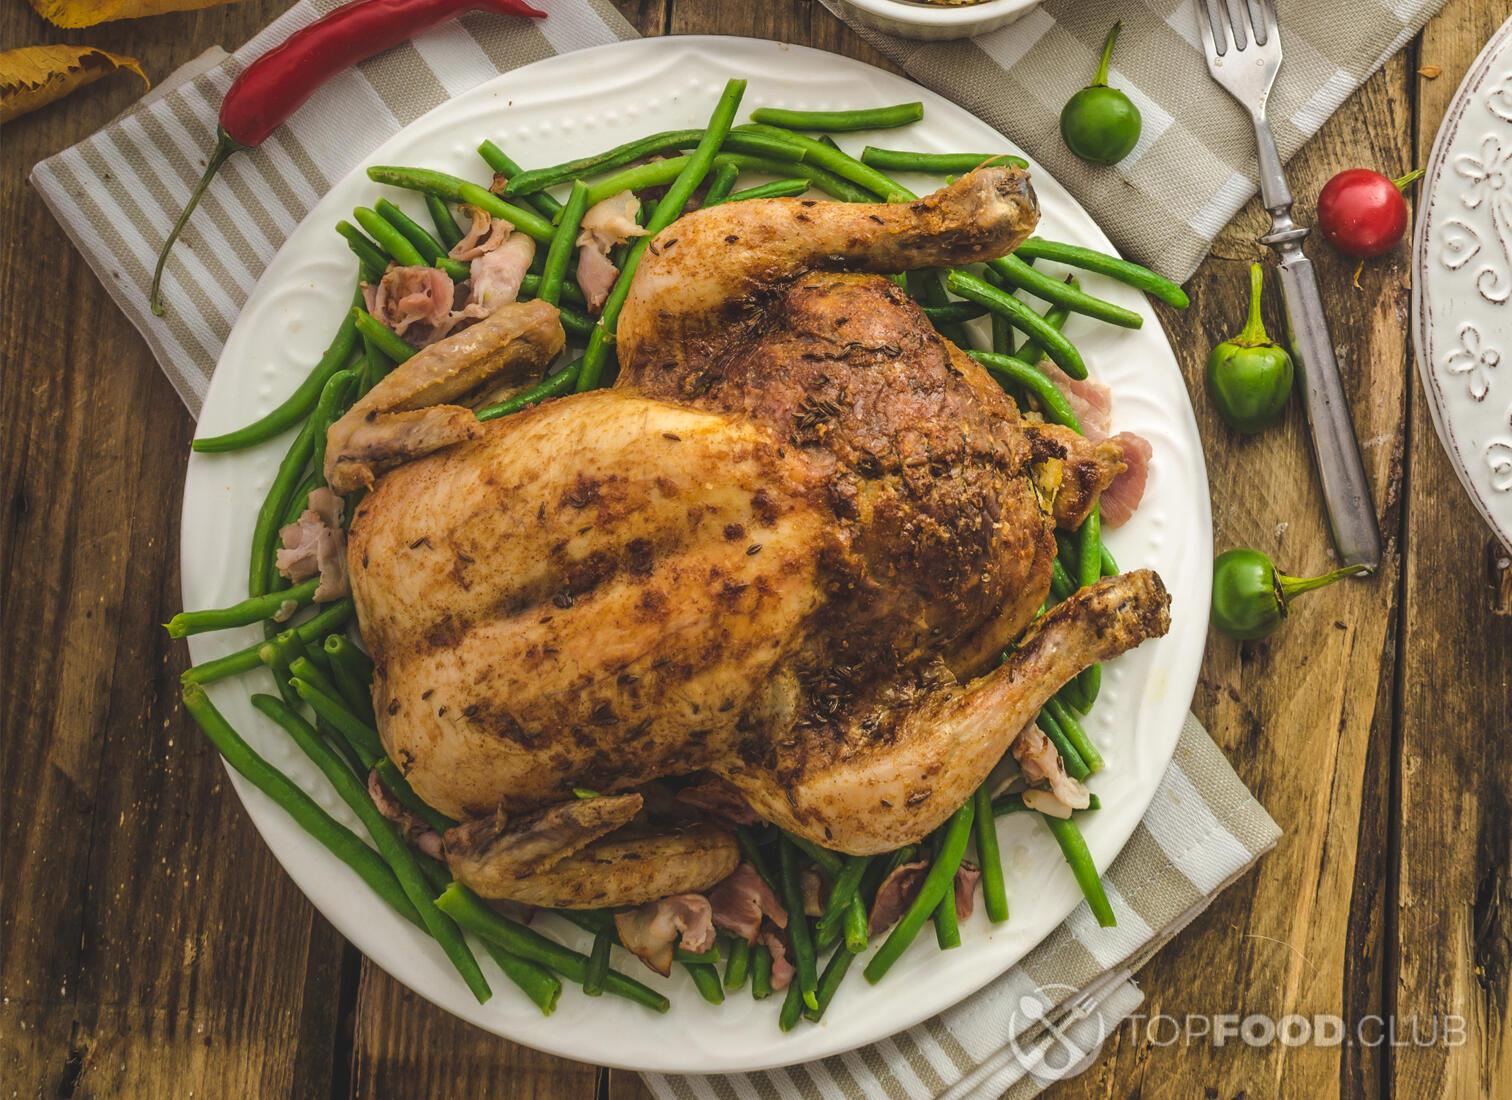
<point>152,947</point>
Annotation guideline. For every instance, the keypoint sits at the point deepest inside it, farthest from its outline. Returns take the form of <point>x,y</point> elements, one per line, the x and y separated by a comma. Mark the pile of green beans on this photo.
<point>319,671</point>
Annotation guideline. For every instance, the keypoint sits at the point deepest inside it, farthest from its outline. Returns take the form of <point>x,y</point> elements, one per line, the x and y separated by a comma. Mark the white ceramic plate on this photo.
<point>1462,283</point>
<point>574,105</point>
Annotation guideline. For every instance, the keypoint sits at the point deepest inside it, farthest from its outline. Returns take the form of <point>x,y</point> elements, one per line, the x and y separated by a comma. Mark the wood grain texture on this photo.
<point>152,947</point>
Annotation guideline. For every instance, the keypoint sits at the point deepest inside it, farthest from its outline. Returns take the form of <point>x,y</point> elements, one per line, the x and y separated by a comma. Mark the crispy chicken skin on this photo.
<point>789,547</point>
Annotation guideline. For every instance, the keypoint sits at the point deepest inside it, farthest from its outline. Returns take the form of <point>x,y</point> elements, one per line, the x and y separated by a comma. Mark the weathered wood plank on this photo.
<point>1452,934</point>
<point>1304,716</point>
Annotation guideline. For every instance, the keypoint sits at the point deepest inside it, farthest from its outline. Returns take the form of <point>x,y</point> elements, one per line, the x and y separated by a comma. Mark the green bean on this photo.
<point>363,738</point>
<point>830,862</point>
<point>947,926</point>
<point>530,287</point>
<point>829,982</point>
<point>563,243</point>
<point>709,957</point>
<point>638,177</point>
<point>448,232</point>
<point>265,529</point>
<point>761,972</point>
<point>1050,726</point>
<point>925,287</point>
<point>430,249</point>
<point>538,179</point>
<point>254,609</point>
<point>777,189</point>
<point>398,247</point>
<point>598,965</point>
<point>667,211</point>
<point>953,312</point>
<point>384,338</point>
<point>500,162</point>
<point>463,906</point>
<point>721,180</point>
<point>1076,735</point>
<point>845,886</point>
<point>390,845</point>
<point>353,672</point>
<point>753,855</point>
<point>1014,804</point>
<point>334,400</point>
<point>1141,278</point>
<point>561,382</point>
<point>337,838</point>
<point>1056,317</point>
<point>739,965</point>
<point>1060,350</point>
<point>856,937</point>
<point>371,261</point>
<point>872,118</point>
<point>453,189</point>
<point>1109,566</point>
<point>1002,338</point>
<point>994,893</point>
<point>939,881</point>
<point>935,164</point>
<point>1060,581</point>
<point>792,1005</point>
<point>819,178</point>
<point>1017,273</point>
<point>706,979</point>
<point>834,160</point>
<point>394,780</point>
<point>1074,847</point>
<point>293,408</point>
<point>805,977</point>
<point>331,617</point>
<point>1090,550</point>
<point>1054,404</point>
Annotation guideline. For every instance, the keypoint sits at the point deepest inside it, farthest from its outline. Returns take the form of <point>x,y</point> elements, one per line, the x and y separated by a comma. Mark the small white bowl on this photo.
<point>936,22</point>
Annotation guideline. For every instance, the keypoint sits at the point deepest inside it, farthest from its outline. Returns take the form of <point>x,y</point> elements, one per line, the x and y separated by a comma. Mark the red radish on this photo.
<point>1362,213</point>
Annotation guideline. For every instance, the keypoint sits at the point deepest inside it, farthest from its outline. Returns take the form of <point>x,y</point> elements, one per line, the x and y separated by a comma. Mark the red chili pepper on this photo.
<point>272,88</point>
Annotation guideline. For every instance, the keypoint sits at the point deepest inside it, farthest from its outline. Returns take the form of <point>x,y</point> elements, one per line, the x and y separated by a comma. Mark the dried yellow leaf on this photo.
<point>1430,72</point>
<point>86,13</point>
<point>35,76</point>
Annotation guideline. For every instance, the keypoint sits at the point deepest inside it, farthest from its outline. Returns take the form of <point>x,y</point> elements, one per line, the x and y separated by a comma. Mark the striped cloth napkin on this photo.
<point>116,194</point>
<point>1195,164</point>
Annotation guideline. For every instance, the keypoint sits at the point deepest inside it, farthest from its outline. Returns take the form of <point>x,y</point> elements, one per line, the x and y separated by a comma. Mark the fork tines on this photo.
<point>1233,24</point>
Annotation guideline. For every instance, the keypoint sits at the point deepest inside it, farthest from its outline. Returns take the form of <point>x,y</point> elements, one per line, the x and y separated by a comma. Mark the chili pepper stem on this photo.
<point>1404,182</point>
<point>224,147</point>
<point>1101,79</point>
<point>1253,335</point>
<point>1287,588</point>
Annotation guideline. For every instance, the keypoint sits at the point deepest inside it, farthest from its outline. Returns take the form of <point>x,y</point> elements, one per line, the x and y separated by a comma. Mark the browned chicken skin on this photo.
<point>789,547</point>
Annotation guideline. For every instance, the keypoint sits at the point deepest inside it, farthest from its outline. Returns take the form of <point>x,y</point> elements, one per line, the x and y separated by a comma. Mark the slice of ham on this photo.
<point>741,900</point>
<point>497,274</point>
<point>895,895</point>
<point>966,879</point>
<point>484,234</point>
<point>605,224</point>
<point>782,969</point>
<point>412,295</point>
<point>1123,496</point>
<point>1042,763</point>
<point>316,544</point>
<point>1090,400</point>
<point>720,799</point>
<point>653,931</point>
<point>415,831</point>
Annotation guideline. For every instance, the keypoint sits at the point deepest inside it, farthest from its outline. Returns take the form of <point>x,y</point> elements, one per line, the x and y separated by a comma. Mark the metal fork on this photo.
<point>1243,54</point>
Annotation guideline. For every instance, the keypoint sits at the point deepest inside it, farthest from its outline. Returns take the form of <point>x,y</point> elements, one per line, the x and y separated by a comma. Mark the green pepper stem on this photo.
<point>1253,334</point>
<point>224,147</point>
<point>1291,587</point>
<point>1404,182</point>
<point>1101,79</point>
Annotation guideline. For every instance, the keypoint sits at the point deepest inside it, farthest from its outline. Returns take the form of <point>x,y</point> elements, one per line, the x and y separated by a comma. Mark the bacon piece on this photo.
<point>485,234</point>
<point>497,275</point>
<point>315,543</point>
<point>895,895</point>
<point>1123,496</point>
<point>596,275</point>
<point>412,295</point>
<point>415,831</point>
<point>782,969</point>
<point>605,224</point>
<point>741,900</point>
<point>1042,762</point>
<point>1090,400</point>
<point>720,799</point>
<point>652,931</point>
<point>967,876</point>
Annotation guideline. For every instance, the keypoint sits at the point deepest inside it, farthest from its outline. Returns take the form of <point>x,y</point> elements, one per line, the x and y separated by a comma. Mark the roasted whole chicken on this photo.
<point>786,552</point>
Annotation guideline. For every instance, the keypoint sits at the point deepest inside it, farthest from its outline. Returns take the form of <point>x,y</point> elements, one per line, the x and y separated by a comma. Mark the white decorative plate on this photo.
<point>1462,283</point>
<point>574,105</point>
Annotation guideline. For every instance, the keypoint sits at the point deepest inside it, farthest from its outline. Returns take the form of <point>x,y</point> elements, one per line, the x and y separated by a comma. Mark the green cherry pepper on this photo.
<point>1250,598</point>
<point>1249,377</point>
<point>1100,124</point>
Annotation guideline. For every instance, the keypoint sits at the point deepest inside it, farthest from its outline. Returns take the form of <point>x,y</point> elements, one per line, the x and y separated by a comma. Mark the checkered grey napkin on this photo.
<point>116,194</point>
<point>1195,164</point>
